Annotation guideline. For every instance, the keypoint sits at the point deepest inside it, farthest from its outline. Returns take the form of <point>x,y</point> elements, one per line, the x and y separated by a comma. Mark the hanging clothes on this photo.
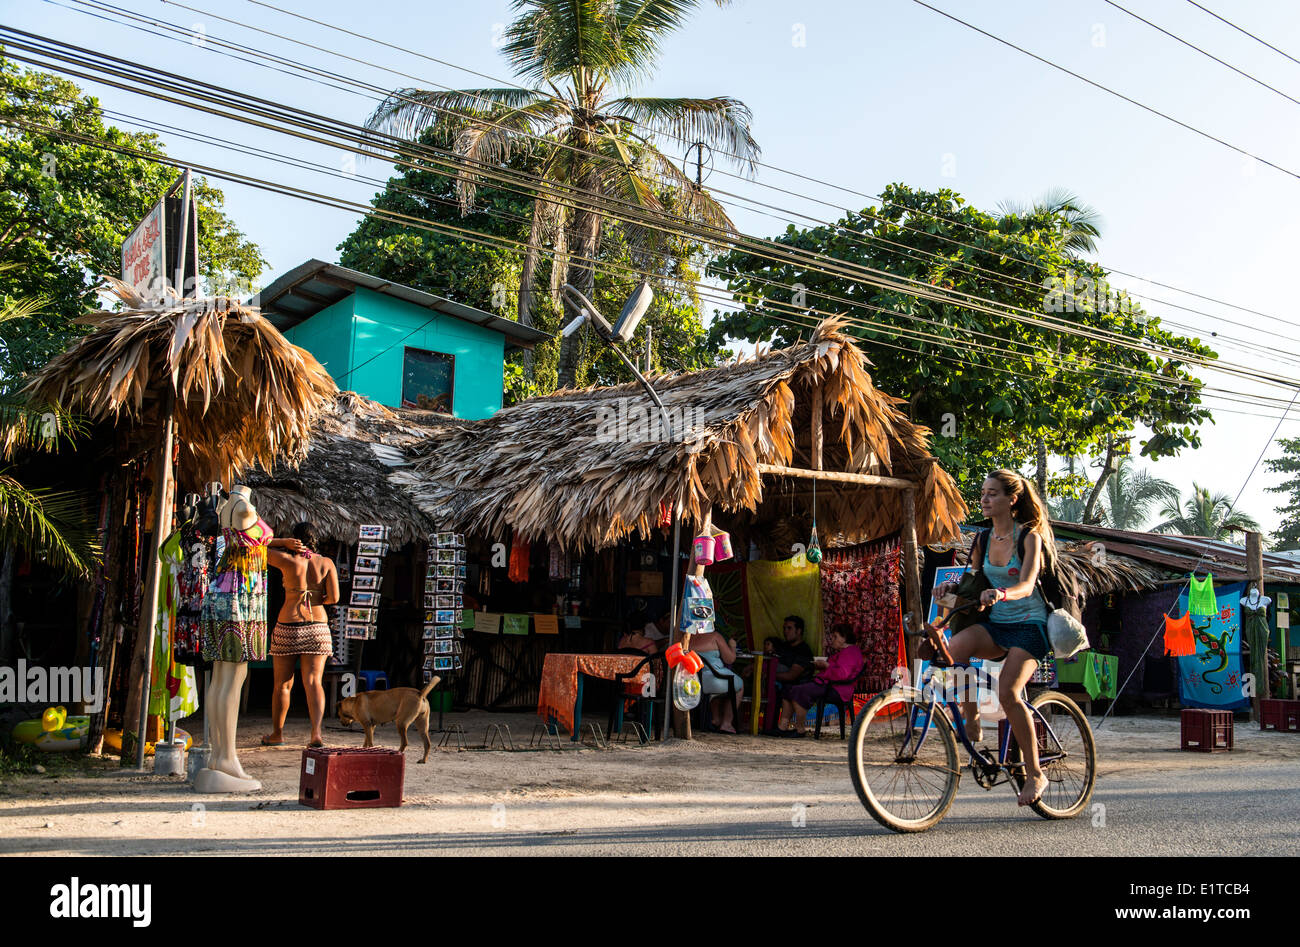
<point>173,692</point>
<point>519,551</point>
<point>192,586</point>
<point>1179,641</point>
<point>861,588</point>
<point>234,609</point>
<point>1201,600</point>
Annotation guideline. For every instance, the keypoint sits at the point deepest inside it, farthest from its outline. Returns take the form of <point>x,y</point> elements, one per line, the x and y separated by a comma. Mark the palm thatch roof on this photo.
<point>344,479</point>
<point>244,395</point>
<point>590,467</point>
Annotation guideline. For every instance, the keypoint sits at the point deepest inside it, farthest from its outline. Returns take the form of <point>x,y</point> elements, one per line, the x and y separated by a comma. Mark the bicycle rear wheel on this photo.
<point>904,789</point>
<point>1069,760</point>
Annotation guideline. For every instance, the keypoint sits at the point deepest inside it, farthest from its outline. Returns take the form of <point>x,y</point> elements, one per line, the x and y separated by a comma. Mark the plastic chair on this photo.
<point>704,721</point>
<point>832,697</point>
<point>623,692</point>
<point>373,679</point>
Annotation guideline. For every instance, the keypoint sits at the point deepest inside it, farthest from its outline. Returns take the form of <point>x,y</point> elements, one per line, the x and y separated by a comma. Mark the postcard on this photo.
<point>367,583</point>
<point>373,532</point>
<point>442,664</point>
<point>444,616</point>
<point>361,615</point>
<point>364,598</point>
<point>368,564</point>
<point>356,632</point>
<point>378,550</point>
<point>444,631</point>
<point>447,555</point>
<point>446,601</point>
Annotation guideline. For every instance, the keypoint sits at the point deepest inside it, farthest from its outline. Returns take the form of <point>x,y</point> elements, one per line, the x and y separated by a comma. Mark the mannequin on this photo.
<point>234,632</point>
<point>1254,601</point>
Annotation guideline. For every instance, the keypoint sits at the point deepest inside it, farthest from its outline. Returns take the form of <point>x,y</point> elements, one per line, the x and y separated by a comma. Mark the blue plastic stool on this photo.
<point>373,678</point>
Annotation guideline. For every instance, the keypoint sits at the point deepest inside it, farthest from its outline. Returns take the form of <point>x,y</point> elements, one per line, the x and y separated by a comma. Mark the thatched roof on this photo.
<point>244,394</point>
<point>576,466</point>
<point>344,480</point>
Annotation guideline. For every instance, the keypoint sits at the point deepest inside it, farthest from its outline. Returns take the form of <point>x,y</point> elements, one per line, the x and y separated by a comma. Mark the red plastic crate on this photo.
<point>1280,715</point>
<point>351,778</point>
<point>1207,731</point>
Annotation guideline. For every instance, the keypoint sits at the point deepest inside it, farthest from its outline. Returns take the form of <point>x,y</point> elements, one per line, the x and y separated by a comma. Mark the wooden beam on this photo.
<point>911,575</point>
<point>817,428</point>
<point>310,296</point>
<point>866,480</point>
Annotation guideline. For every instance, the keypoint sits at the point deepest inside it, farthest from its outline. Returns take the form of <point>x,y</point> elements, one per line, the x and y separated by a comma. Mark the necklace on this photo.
<point>996,536</point>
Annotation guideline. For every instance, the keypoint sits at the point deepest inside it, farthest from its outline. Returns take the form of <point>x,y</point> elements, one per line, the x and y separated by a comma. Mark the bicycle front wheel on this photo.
<point>1067,753</point>
<point>904,761</point>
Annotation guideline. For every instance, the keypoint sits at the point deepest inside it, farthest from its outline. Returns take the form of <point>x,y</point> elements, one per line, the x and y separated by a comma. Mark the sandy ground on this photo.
<point>95,807</point>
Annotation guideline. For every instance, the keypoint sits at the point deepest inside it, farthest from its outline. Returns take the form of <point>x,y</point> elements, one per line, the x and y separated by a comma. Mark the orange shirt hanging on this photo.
<point>1179,641</point>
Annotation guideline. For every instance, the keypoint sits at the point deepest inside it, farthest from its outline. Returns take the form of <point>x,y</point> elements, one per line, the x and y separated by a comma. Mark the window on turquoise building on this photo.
<point>427,380</point>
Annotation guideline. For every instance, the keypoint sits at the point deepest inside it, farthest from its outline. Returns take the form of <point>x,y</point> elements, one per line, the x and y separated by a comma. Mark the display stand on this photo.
<point>444,590</point>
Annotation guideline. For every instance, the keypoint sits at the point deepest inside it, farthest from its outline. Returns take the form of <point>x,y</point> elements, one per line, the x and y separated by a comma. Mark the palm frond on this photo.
<point>53,523</point>
<point>407,113</point>
<point>721,122</point>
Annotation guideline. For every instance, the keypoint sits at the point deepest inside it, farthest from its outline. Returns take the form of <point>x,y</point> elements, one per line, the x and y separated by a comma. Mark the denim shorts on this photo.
<point>1029,636</point>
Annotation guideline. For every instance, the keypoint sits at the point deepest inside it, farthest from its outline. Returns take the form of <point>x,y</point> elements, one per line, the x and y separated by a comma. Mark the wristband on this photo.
<point>1002,594</point>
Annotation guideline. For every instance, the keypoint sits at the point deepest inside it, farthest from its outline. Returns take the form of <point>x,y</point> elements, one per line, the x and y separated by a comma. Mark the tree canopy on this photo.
<point>488,276</point>
<point>989,386</point>
<point>67,201</point>
<point>1288,531</point>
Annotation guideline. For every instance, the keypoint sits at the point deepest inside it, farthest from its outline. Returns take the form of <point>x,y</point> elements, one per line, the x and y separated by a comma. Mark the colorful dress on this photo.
<point>234,610</point>
<point>173,691</point>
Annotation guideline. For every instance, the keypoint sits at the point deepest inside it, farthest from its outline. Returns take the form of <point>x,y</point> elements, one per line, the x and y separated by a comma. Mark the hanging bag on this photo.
<point>1065,632</point>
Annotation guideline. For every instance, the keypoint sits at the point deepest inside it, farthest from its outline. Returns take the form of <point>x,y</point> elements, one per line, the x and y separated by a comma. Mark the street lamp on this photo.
<point>622,331</point>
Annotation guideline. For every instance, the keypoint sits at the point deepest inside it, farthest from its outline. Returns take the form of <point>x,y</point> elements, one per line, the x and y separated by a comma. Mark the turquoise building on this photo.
<point>395,344</point>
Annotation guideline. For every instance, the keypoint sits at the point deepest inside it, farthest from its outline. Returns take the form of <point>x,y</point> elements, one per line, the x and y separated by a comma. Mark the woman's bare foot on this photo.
<point>974,732</point>
<point>273,739</point>
<point>1035,786</point>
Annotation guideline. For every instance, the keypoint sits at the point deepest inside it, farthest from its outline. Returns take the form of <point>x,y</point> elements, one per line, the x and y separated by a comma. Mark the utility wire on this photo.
<point>665,133</point>
<point>1120,95</point>
<point>1247,32</point>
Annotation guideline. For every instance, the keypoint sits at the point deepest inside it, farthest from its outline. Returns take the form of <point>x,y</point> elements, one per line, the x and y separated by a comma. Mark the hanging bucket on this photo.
<point>722,547</point>
<point>703,550</point>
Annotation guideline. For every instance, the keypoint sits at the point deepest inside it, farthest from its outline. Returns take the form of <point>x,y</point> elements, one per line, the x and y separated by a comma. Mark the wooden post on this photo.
<point>683,727</point>
<point>911,576</point>
<point>142,659</point>
<point>817,428</point>
<point>1255,577</point>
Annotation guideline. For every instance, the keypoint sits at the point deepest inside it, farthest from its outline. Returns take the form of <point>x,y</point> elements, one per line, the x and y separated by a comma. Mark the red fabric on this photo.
<point>1179,641</point>
<point>844,665</point>
<point>861,590</point>
<point>519,550</point>
<point>560,680</point>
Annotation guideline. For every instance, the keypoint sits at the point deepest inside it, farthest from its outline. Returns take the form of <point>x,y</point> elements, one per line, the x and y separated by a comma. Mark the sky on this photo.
<point>856,94</point>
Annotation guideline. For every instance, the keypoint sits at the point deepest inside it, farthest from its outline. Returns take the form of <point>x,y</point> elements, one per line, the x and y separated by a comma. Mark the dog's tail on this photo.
<point>433,682</point>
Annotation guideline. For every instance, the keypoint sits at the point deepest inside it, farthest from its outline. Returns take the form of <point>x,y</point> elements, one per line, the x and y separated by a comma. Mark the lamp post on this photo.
<point>622,331</point>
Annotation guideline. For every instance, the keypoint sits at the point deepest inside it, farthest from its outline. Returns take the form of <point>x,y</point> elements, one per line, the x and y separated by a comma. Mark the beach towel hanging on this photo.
<point>1178,636</point>
<point>1201,600</point>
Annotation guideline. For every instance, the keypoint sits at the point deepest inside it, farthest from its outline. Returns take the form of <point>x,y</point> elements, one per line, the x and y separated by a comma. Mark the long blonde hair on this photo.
<point>1026,508</point>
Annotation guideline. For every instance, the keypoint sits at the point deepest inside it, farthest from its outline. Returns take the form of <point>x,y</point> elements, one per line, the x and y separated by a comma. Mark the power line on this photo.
<point>760,248</point>
<point>1247,32</point>
<point>666,133</point>
<point>1209,55</point>
<point>1107,89</point>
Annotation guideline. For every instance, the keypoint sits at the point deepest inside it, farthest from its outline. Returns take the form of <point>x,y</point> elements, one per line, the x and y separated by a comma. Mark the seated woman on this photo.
<point>840,673</point>
<point>717,652</point>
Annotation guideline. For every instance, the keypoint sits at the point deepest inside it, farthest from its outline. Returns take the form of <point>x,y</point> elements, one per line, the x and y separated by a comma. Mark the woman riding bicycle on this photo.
<point>1016,628</point>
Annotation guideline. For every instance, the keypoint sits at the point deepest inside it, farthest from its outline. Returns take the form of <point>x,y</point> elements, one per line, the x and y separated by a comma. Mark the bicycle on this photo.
<point>903,754</point>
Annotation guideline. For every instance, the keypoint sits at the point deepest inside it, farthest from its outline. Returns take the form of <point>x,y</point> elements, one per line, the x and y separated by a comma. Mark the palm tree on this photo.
<point>581,50</point>
<point>1130,493</point>
<point>1080,223</point>
<point>1203,515</point>
<point>51,524</point>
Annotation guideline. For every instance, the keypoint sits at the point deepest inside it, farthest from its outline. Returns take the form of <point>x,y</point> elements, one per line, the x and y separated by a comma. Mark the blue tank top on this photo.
<point>1019,610</point>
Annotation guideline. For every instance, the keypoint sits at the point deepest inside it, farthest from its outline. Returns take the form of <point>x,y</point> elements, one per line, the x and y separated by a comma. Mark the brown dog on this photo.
<point>402,706</point>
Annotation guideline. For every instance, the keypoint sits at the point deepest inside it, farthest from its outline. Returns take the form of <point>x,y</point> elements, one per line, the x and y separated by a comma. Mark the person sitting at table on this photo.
<point>650,639</point>
<point>717,652</point>
<point>794,661</point>
<point>840,672</point>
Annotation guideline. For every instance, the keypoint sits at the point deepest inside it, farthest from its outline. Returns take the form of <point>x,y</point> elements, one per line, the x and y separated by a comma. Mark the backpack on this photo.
<point>1059,588</point>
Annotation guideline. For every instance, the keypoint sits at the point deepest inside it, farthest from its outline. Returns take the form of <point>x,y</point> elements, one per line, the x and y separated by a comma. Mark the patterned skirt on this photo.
<point>233,621</point>
<point>301,637</point>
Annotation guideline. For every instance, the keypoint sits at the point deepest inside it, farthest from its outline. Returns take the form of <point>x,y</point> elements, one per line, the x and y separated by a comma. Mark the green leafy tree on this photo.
<point>488,276</point>
<point>583,52</point>
<point>1131,494</point>
<point>993,408</point>
<point>1288,533</point>
<point>67,202</point>
<point>1203,514</point>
